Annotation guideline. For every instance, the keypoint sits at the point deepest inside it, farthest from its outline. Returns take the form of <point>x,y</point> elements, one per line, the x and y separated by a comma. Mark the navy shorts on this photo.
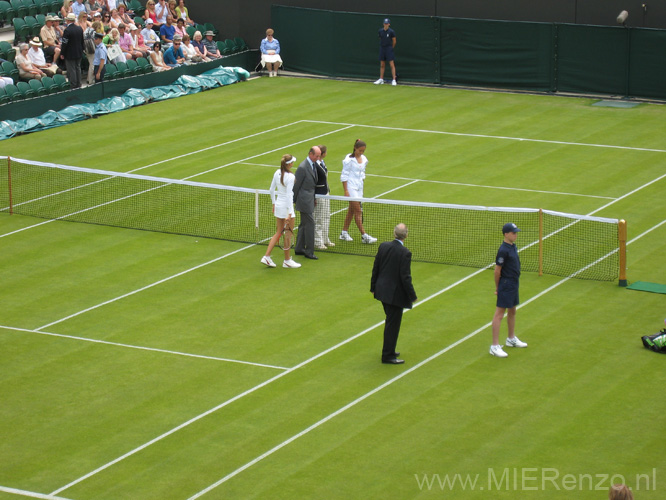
<point>386,53</point>
<point>507,293</point>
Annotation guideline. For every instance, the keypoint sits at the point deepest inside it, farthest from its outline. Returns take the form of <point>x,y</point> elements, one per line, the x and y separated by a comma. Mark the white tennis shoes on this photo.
<point>496,350</point>
<point>366,238</point>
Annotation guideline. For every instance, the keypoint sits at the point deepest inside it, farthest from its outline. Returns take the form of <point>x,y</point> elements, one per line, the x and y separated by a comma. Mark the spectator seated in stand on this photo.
<point>183,13</point>
<point>173,56</point>
<point>113,38</point>
<point>191,55</point>
<point>149,35</point>
<point>161,11</point>
<point>48,36</point>
<point>211,47</point>
<point>122,13</point>
<point>36,56</point>
<point>5,80</point>
<point>95,6</point>
<point>77,7</point>
<point>26,69</point>
<point>167,31</point>
<point>171,5</point>
<point>116,20</point>
<point>199,46</point>
<point>180,28</point>
<point>138,42</point>
<point>150,13</point>
<point>157,59</point>
<point>125,42</point>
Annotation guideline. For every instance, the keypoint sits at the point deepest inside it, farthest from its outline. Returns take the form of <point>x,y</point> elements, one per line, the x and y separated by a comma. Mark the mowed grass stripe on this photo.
<point>349,458</point>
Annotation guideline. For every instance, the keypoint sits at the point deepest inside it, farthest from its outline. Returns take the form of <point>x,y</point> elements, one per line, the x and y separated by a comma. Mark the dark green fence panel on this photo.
<point>347,44</point>
<point>513,55</point>
<point>648,63</point>
<point>592,59</point>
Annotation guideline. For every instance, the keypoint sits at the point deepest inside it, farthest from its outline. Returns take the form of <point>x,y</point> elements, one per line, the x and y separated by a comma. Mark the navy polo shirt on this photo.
<point>385,37</point>
<point>507,257</point>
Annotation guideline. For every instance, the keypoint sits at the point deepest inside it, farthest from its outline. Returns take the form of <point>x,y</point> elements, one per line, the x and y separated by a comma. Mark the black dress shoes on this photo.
<point>313,257</point>
<point>299,253</point>
<point>393,361</point>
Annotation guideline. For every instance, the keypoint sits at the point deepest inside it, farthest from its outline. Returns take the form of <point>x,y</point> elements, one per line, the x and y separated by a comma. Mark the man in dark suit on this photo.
<point>304,195</point>
<point>72,50</point>
<point>391,284</point>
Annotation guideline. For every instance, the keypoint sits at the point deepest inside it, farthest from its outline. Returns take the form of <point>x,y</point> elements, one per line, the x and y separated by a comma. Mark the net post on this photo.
<point>9,184</point>
<point>540,242</point>
<point>622,239</point>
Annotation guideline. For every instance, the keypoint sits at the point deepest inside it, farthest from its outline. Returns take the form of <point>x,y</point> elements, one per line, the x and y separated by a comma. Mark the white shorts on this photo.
<point>355,193</point>
<point>284,211</point>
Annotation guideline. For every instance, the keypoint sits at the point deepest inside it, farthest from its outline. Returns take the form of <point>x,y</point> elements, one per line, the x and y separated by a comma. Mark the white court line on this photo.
<point>484,136</point>
<point>267,382</point>
<point>216,146</point>
<point>168,278</point>
<point>390,381</point>
<point>465,184</point>
<point>142,348</point>
<point>250,391</point>
<point>31,494</point>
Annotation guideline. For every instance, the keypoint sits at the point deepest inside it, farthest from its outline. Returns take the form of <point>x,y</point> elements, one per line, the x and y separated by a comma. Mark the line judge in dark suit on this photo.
<point>391,284</point>
<point>304,196</point>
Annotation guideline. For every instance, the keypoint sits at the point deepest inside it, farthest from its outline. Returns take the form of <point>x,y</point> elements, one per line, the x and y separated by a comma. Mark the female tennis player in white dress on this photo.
<point>352,177</point>
<point>282,197</point>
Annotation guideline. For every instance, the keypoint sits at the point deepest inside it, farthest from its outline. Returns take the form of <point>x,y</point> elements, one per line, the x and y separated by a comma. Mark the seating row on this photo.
<point>22,8</point>
<point>33,88</point>
<point>230,46</point>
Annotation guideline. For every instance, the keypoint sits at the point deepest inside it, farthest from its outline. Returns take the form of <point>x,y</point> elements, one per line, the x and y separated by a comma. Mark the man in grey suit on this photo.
<point>391,283</point>
<point>304,195</point>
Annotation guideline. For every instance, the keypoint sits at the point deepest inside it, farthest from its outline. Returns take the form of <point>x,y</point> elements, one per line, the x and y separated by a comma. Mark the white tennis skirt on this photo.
<point>355,193</point>
<point>284,211</point>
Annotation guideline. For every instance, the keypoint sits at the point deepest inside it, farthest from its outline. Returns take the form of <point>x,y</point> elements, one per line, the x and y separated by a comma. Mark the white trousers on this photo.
<point>322,216</point>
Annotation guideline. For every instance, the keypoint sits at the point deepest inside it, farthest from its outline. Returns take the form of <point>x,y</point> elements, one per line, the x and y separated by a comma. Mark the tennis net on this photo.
<point>550,242</point>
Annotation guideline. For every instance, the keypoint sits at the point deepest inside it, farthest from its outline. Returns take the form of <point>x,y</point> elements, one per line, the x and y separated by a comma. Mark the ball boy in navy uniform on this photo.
<point>387,42</point>
<point>507,274</point>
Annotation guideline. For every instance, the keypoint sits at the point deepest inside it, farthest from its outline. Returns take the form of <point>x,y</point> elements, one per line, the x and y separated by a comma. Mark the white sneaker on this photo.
<point>320,247</point>
<point>291,263</point>
<point>366,238</point>
<point>394,83</point>
<point>330,244</point>
<point>496,350</point>
<point>268,261</point>
<point>515,342</point>
<point>344,236</point>
<point>379,82</point>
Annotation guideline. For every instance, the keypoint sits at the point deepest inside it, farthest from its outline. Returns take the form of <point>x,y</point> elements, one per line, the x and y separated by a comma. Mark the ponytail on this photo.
<point>358,144</point>
<point>286,160</point>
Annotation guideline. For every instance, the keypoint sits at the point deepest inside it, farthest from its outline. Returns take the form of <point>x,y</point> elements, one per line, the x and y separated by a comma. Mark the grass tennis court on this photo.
<point>140,365</point>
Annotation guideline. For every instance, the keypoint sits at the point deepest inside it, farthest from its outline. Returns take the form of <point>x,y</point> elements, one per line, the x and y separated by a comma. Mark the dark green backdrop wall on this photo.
<point>500,54</point>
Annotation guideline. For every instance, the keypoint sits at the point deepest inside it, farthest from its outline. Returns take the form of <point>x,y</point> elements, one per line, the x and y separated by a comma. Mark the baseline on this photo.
<point>501,137</point>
